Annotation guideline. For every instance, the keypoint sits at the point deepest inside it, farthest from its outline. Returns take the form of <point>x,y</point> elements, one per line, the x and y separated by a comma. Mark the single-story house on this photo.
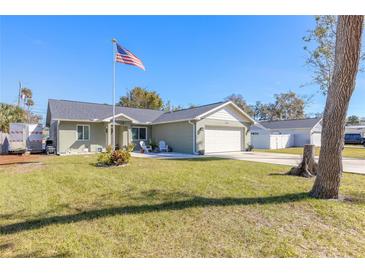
<point>286,133</point>
<point>77,127</point>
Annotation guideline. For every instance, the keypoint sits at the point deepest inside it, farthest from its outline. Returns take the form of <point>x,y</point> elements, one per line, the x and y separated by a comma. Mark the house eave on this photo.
<point>174,121</point>
<point>79,120</point>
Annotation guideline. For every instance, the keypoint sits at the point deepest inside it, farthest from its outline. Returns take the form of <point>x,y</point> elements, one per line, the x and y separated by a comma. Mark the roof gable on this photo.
<point>229,111</point>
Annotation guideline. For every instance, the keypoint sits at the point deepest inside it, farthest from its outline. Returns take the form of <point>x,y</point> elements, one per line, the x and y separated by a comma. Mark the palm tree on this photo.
<point>10,114</point>
<point>26,93</point>
<point>29,103</point>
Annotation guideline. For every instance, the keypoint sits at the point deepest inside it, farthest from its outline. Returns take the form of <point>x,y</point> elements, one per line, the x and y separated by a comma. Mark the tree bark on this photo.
<point>347,54</point>
<point>308,167</point>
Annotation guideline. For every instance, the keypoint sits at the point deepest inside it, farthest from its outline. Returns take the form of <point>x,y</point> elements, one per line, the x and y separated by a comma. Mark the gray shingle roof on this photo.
<point>185,114</point>
<point>74,110</point>
<point>285,124</point>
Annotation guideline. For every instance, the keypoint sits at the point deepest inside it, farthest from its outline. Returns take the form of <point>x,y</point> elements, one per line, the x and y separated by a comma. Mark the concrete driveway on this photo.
<point>349,164</point>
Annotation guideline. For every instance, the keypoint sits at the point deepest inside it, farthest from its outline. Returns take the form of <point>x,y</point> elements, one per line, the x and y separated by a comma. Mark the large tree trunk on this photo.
<point>348,46</point>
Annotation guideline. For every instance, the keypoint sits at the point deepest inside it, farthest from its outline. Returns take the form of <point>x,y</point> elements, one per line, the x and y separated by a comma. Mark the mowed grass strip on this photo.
<point>349,151</point>
<point>210,207</point>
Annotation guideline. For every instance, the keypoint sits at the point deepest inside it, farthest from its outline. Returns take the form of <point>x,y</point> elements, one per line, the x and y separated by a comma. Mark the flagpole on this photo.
<point>113,127</point>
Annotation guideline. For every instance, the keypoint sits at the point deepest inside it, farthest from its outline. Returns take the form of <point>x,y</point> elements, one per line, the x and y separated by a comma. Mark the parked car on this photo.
<point>354,139</point>
<point>50,149</point>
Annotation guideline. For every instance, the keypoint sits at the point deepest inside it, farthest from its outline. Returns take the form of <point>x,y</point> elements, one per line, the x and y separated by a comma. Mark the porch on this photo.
<point>123,134</point>
<point>126,133</point>
<point>166,155</point>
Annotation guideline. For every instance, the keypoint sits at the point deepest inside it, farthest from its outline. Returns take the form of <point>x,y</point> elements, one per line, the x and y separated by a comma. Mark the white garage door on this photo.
<point>222,139</point>
<point>316,139</point>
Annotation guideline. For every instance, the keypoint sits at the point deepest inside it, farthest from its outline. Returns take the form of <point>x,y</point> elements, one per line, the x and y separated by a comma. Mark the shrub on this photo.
<point>113,158</point>
<point>120,157</point>
<point>104,159</point>
<point>109,149</point>
<point>130,147</point>
<point>153,144</point>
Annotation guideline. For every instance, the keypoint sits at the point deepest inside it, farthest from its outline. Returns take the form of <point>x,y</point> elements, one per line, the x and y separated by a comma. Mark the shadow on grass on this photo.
<point>278,174</point>
<point>6,246</point>
<point>19,163</point>
<point>195,202</point>
<point>40,254</point>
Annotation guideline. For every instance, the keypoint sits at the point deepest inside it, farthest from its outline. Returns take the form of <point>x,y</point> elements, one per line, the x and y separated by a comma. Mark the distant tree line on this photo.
<point>286,105</point>
<point>139,97</point>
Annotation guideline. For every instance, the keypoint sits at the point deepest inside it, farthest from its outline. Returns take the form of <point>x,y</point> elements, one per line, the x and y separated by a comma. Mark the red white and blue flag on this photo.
<point>126,57</point>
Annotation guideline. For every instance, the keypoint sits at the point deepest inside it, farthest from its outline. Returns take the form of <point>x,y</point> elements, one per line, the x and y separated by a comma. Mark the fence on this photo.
<point>4,143</point>
<point>272,141</point>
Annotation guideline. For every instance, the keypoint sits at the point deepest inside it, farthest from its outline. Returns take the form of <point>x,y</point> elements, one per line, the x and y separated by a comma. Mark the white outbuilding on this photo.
<point>360,129</point>
<point>286,133</point>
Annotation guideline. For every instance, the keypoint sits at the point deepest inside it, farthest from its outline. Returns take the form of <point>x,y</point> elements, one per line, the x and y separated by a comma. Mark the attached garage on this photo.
<point>223,139</point>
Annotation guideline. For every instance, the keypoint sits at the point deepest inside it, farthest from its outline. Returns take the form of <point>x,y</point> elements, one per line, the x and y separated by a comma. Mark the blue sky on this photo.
<point>188,59</point>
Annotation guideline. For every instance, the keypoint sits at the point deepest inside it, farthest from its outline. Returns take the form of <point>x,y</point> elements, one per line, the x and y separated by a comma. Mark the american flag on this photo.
<point>126,57</point>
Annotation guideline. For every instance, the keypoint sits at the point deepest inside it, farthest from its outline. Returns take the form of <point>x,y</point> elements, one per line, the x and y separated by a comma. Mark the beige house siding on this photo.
<point>67,138</point>
<point>179,136</point>
<point>53,132</point>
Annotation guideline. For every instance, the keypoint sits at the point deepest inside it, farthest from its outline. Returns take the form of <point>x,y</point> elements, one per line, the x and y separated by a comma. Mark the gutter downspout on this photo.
<point>194,136</point>
<point>58,139</point>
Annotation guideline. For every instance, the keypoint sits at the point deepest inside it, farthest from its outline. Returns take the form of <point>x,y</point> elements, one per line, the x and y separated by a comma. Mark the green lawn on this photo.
<point>349,151</point>
<point>66,207</point>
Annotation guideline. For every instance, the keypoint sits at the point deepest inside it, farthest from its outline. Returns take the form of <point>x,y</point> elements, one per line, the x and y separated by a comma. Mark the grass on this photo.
<point>66,207</point>
<point>349,151</point>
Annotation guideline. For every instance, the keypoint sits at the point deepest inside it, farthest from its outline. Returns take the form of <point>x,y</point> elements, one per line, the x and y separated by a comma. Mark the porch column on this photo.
<point>129,134</point>
<point>109,134</point>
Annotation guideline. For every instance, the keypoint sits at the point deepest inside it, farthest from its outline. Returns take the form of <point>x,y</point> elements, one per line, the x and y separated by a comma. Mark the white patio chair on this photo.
<point>144,147</point>
<point>162,146</point>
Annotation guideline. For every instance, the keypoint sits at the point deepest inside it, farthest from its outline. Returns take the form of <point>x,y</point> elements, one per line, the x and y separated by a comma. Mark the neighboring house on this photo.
<point>77,127</point>
<point>356,129</point>
<point>286,133</point>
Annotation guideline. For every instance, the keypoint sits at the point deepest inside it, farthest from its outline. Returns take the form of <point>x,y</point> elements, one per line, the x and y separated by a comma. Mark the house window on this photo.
<point>83,132</point>
<point>139,133</point>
